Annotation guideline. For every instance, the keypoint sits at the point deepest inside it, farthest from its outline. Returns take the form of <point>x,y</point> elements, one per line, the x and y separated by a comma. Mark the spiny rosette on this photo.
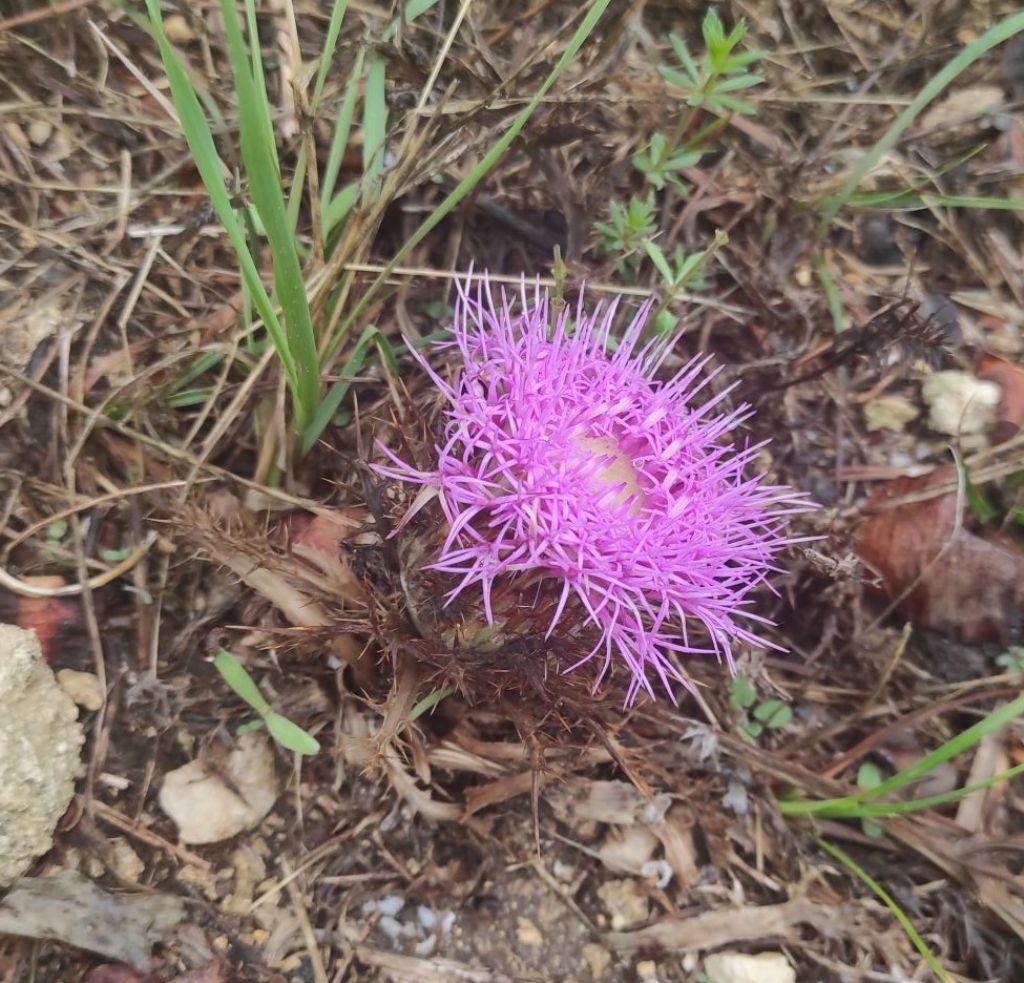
<point>564,459</point>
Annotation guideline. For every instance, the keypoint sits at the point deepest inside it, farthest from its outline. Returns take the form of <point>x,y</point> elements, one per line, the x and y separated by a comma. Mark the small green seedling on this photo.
<point>757,717</point>
<point>430,702</point>
<point>721,71</point>
<point>1012,660</point>
<point>289,735</point>
<point>627,230</point>
<point>661,165</point>
<point>57,530</point>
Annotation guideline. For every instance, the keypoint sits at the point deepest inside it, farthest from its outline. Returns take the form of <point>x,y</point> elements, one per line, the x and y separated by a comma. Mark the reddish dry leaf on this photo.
<point>943,578</point>
<point>115,973</point>
<point>212,973</point>
<point>53,619</point>
<point>1010,379</point>
<point>122,973</point>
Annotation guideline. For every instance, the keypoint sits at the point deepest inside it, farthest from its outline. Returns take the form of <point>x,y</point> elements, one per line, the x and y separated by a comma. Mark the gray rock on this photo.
<point>40,745</point>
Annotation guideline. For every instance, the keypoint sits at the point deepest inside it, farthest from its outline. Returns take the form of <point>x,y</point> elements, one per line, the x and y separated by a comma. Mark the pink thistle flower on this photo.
<point>565,459</point>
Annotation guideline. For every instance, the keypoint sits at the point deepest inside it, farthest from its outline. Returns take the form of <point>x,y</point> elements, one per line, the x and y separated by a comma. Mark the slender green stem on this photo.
<point>898,913</point>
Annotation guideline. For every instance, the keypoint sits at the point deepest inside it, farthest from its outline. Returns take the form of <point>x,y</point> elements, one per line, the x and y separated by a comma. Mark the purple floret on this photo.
<point>564,458</point>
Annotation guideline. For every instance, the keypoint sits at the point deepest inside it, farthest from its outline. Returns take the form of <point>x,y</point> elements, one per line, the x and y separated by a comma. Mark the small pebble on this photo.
<point>83,687</point>
<point>426,917</point>
<point>528,933</point>
<point>598,958</point>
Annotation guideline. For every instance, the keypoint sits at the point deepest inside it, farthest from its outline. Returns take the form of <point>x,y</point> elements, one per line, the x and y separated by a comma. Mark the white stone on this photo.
<point>206,809</point>
<point>626,905</point>
<point>958,403</point>
<point>83,687</point>
<point>738,967</point>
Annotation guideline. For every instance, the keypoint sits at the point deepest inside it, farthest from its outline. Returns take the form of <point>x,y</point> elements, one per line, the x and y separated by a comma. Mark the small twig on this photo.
<point>112,816</point>
<point>308,935</point>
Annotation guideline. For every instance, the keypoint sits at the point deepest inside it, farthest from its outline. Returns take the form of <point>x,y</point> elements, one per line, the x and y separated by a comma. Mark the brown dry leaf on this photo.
<point>714,929</point>
<point>410,969</point>
<point>286,582</point>
<point>22,331</point>
<point>619,803</point>
<point>1010,379</point>
<point>213,973</point>
<point>114,973</point>
<point>940,575</point>
<point>962,105</point>
<point>501,790</point>
<point>676,835</point>
<point>71,909</point>
<point>53,619</point>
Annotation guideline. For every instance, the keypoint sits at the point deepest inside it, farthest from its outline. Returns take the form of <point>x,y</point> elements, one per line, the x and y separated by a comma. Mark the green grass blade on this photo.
<point>337,393</point>
<point>413,9</point>
<point>202,364</point>
<point>879,810</point>
<point>995,35</point>
<point>430,701</point>
<point>955,746</point>
<point>847,805</point>
<point>484,166</point>
<point>375,125</point>
<point>898,913</point>
<point>340,139</point>
<point>340,206</point>
<point>913,201</point>
<point>211,169</point>
<point>832,299</point>
<point>259,152</point>
<point>327,55</point>
<point>256,63</point>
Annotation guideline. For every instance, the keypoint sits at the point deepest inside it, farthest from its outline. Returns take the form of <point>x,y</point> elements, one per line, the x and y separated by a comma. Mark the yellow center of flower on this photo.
<point>617,471</point>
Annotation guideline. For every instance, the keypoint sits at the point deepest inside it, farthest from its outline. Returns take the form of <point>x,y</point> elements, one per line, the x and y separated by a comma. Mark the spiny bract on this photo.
<point>563,458</point>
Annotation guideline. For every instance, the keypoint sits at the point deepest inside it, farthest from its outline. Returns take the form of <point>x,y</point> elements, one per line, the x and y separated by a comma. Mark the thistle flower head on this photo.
<point>564,459</point>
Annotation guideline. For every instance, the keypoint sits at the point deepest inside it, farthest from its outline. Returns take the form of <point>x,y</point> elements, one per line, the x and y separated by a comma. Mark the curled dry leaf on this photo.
<point>618,803</point>
<point>940,575</point>
<point>712,929</point>
<point>963,105</point>
<point>57,621</point>
<point>626,850</point>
